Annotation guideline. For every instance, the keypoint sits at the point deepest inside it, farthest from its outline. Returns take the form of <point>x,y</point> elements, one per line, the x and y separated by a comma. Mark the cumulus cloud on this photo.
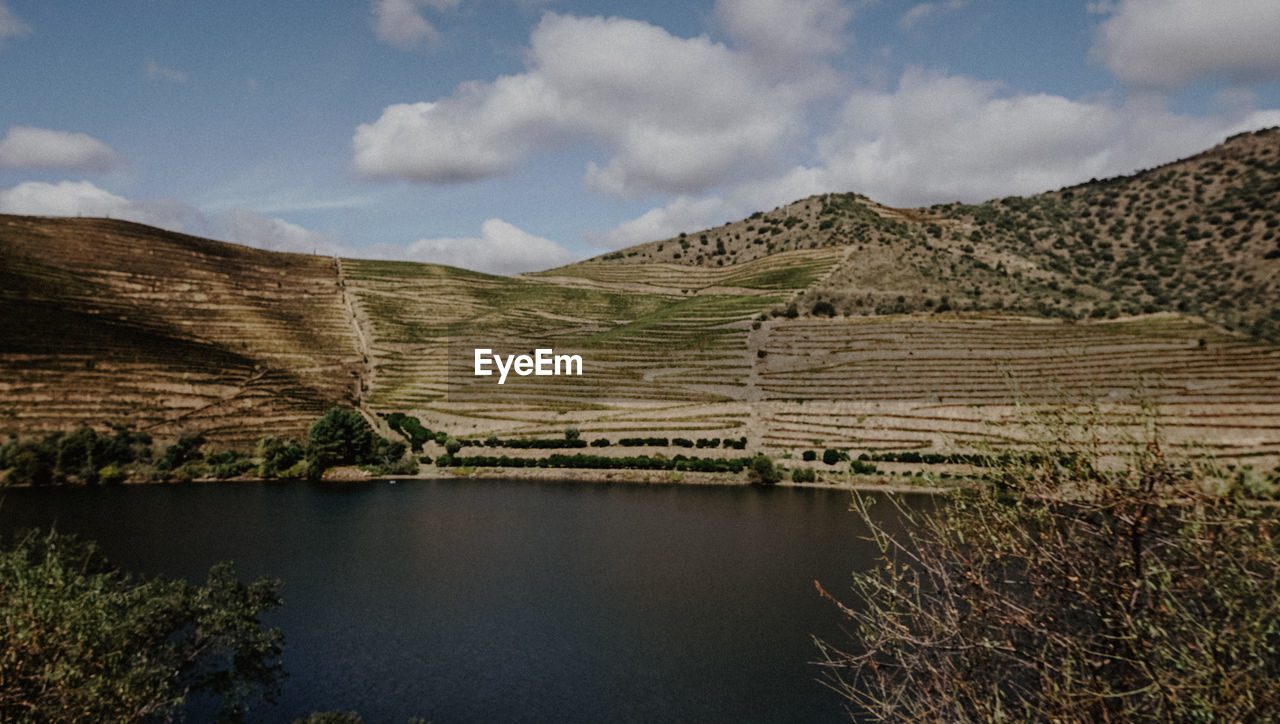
<point>938,137</point>
<point>786,32</point>
<point>927,12</point>
<point>501,248</point>
<point>1170,43</point>
<point>400,23</point>
<point>40,148</point>
<point>11,26</point>
<point>675,115</point>
<point>155,71</point>
<point>265,232</point>
<point>82,198</point>
<point>682,214</point>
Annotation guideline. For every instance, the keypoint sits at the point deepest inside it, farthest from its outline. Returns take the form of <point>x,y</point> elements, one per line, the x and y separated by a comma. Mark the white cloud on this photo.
<point>82,198</point>
<point>155,71</point>
<point>264,232</point>
<point>1170,43</point>
<point>675,115</point>
<point>68,198</point>
<point>689,214</point>
<point>500,249</point>
<point>399,22</point>
<point>786,32</point>
<point>682,214</point>
<point>30,148</point>
<point>928,12</point>
<point>941,138</point>
<point>11,26</point>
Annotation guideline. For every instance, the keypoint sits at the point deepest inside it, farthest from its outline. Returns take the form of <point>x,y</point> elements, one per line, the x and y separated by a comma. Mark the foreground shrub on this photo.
<point>81,641</point>
<point>1072,588</point>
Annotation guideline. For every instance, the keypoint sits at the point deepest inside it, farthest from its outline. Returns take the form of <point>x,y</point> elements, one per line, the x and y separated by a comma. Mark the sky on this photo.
<point>515,135</point>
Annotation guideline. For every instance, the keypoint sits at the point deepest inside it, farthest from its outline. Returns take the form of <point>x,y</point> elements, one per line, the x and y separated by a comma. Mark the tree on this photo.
<point>452,445</point>
<point>763,470</point>
<point>277,456</point>
<point>831,457</point>
<point>340,437</point>
<point>1071,589</point>
<point>82,641</point>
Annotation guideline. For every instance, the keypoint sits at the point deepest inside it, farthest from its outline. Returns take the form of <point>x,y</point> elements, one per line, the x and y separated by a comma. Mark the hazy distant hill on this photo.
<point>832,321</point>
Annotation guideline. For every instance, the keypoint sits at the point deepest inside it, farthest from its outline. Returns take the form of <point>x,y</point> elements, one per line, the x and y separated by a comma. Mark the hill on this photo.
<point>113,322</point>
<point>1197,236</point>
<point>898,334</point>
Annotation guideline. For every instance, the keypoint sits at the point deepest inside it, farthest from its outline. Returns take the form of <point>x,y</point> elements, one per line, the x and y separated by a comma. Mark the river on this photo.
<point>483,600</point>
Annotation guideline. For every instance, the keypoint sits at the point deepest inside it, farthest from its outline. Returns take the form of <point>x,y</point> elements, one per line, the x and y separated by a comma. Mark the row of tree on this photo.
<point>339,437</point>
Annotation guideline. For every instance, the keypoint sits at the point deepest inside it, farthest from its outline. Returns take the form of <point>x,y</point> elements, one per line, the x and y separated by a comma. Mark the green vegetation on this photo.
<point>81,455</point>
<point>339,437</point>
<point>600,462</point>
<point>763,470</point>
<point>81,641</point>
<point>1071,589</point>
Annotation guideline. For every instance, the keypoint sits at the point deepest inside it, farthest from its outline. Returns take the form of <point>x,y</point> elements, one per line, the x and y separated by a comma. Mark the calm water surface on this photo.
<point>486,601</point>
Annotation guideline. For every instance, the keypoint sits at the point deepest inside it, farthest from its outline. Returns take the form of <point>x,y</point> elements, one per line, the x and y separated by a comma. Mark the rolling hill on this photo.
<point>833,321</point>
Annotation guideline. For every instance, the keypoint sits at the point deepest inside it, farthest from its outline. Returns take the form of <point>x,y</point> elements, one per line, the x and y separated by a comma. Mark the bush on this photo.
<point>452,445</point>
<point>1067,590</point>
<point>803,475</point>
<point>824,308</point>
<point>831,457</point>
<point>763,470</point>
<point>84,642</point>
<point>340,437</point>
<point>277,455</point>
<point>862,467</point>
<point>809,456</point>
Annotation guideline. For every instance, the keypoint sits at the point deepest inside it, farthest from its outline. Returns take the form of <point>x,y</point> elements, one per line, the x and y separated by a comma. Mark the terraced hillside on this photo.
<point>830,322</point>
<point>654,360</point>
<point>949,384</point>
<point>112,322</point>
<point>1197,236</point>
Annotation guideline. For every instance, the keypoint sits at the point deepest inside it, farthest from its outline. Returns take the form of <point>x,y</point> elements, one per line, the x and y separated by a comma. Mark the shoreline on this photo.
<point>860,483</point>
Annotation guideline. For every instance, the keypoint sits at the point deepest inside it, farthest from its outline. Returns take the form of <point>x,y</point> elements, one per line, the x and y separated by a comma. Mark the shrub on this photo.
<point>862,467</point>
<point>809,455</point>
<point>276,455</point>
<point>824,308</point>
<point>340,437</point>
<point>1069,589</point>
<point>763,470</point>
<point>84,642</point>
<point>831,457</point>
<point>803,475</point>
<point>452,445</point>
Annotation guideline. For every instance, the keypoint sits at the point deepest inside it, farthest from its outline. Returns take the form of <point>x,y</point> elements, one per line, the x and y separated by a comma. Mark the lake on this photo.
<point>483,600</point>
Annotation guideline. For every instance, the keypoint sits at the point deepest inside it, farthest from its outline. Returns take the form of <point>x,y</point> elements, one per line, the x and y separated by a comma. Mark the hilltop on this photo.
<point>834,321</point>
<point>1197,236</point>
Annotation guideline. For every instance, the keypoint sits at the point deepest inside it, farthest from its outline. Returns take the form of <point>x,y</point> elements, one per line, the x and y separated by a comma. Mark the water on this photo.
<point>464,600</point>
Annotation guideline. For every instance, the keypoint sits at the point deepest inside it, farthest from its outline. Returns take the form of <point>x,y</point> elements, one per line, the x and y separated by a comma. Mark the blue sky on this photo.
<point>513,135</point>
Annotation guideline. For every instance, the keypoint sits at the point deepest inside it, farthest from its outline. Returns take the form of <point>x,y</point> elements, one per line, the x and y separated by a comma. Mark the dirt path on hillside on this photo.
<point>368,367</point>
